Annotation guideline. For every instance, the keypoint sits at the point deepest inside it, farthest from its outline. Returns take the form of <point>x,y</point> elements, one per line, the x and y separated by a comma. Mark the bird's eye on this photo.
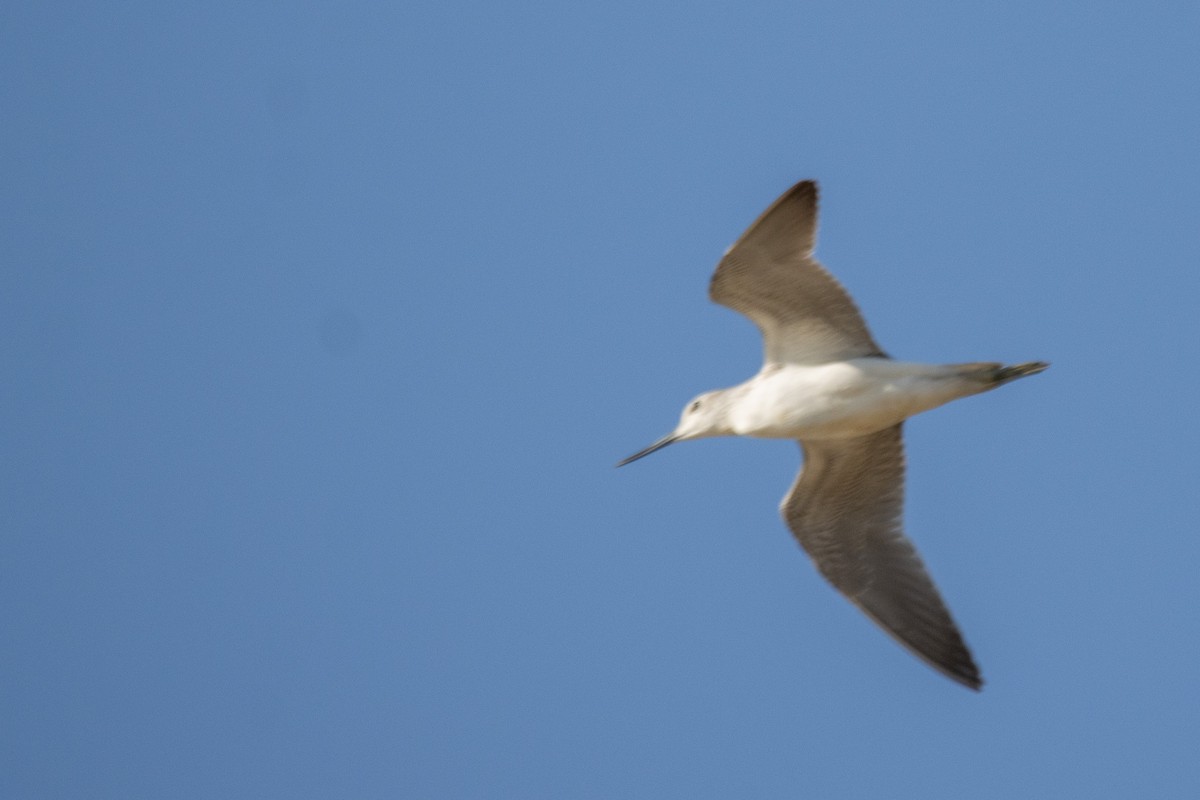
<point>695,406</point>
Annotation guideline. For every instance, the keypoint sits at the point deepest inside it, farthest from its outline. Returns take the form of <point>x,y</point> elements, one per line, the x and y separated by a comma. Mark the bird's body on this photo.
<point>844,399</point>
<point>826,383</point>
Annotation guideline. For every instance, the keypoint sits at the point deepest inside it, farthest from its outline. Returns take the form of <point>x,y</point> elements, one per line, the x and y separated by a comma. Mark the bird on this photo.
<point>826,383</point>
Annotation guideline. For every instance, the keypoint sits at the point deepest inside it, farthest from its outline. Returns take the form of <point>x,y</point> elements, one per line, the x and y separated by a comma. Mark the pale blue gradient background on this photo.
<point>323,325</point>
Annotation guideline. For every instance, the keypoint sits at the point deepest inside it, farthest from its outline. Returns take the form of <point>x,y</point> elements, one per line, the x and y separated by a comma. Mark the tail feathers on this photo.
<point>991,374</point>
<point>1006,374</point>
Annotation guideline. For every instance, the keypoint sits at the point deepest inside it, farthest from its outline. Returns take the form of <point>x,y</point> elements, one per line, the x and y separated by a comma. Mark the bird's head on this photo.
<point>703,416</point>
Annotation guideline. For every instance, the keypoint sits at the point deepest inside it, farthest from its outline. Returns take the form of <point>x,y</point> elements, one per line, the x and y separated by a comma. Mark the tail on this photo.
<point>991,374</point>
<point>1003,375</point>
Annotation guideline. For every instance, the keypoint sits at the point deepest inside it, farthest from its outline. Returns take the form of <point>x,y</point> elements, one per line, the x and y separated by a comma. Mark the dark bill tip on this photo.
<point>659,445</point>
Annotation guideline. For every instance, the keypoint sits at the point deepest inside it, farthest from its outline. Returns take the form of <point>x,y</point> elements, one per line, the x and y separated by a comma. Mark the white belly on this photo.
<point>844,399</point>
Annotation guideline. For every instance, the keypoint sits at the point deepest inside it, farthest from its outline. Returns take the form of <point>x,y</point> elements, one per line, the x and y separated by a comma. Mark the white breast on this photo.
<point>837,400</point>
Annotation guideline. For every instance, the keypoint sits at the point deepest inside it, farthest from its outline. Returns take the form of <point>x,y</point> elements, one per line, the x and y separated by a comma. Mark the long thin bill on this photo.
<point>659,445</point>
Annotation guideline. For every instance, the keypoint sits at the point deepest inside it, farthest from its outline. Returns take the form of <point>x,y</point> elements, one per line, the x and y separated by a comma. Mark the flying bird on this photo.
<point>826,383</point>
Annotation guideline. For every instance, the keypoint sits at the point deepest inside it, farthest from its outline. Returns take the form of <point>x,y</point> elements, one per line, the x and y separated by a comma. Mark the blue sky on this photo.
<point>324,325</point>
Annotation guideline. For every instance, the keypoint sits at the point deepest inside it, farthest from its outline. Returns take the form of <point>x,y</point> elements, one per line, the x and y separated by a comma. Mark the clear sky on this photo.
<point>323,325</point>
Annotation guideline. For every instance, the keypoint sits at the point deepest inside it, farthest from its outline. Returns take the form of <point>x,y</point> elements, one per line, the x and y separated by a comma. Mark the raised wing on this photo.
<point>769,274</point>
<point>845,508</point>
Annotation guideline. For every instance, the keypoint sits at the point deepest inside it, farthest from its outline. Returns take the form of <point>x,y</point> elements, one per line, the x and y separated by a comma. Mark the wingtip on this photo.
<point>960,667</point>
<point>973,680</point>
<point>808,187</point>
